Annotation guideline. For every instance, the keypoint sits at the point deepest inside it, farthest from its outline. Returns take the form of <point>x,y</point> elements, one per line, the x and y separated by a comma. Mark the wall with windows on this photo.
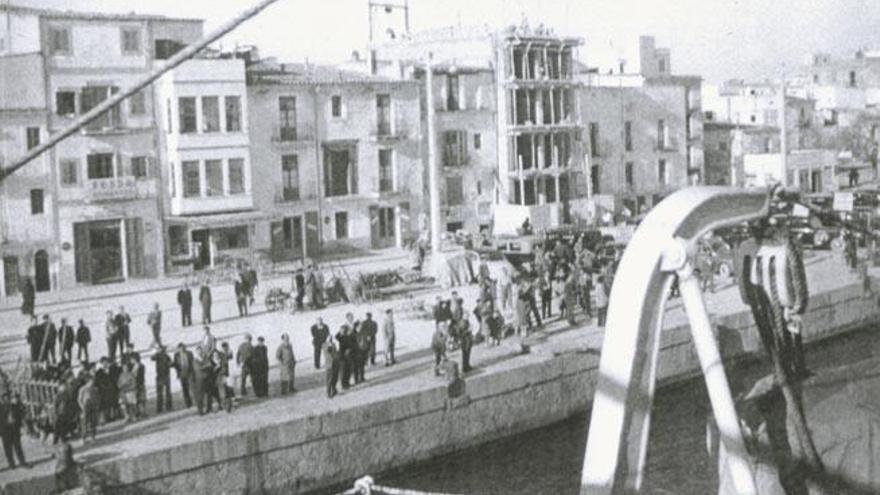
<point>19,32</point>
<point>96,43</point>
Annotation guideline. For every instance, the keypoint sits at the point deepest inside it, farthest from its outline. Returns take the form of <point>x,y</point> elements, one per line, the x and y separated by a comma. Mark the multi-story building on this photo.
<point>727,144</point>
<point>27,203</point>
<point>336,158</point>
<point>644,131</point>
<point>210,212</point>
<point>515,89</point>
<point>106,196</point>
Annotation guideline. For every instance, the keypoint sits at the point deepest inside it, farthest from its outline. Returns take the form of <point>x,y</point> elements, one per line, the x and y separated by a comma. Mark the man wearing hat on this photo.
<point>183,364</point>
<point>244,359</point>
<point>163,379</point>
<point>11,420</point>
<point>260,368</point>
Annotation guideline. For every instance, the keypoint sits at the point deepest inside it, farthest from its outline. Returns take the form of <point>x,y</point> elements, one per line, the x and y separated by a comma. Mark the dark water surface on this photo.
<point>548,460</point>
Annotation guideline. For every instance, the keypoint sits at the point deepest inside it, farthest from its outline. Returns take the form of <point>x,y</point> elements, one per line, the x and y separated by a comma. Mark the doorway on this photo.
<point>202,240</point>
<point>105,250</point>
<point>42,281</point>
<point>10,275</point>
<point>287,239</point>
<point>382,227</point>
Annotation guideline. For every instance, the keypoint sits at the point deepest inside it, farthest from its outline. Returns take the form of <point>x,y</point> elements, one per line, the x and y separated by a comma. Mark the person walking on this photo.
<point>438,345</point>
<point>389,334</point>
<point>244,359</point>
<point>320,334</point>
<point>202,381</point>
<point>205,301</point>
<point>261,368</point>
<point>287,365</point>
<point>466,342</point>
<point>123,323</point>
<point>184,300</point>
<point>12,415</point>
<point>83,337</point>
<point>252,282</point>
<point>220,362</point>
<point>154,321</point>
<point>140,384</point>
<point>601,301</point>
<point>571,295</point>
<point>28,297</point>
<point>184,366</point>
<point>50,334</point>
<point>241,296</point>
<point>127,392</point>
<point>370,330</point>
<point>35,339</point>
<point>586,290</point>
<point>331,355</point>
<point>545,287</point>
<point>110,333</point>
<point>346,344</point>
<point>66,337</point>
<point>89,407</point>
<point>163,365</point>
<point>362,349</point>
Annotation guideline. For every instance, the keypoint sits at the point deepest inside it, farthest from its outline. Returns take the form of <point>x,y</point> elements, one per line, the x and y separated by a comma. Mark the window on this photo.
<point>852,78</point>
<point>383,115</point>
<point>549,189</point>
<point>386,222</point>
<point>454,191</point>
<point>32,135</point>
<point>287,117</point>
<point>214,177</point>
<point>595,176</point>
<point>65,103</point>
<point>386,171</point>
<point>68,172</point>
<point>187,109</point>
<point>661,134</point>
<point>137,104</point>
<point>172,180</point>
<point>336,106</point>
<point>139,167</point>
<point>36,201</point>
<point>752,118</point>
<point>628,135</point>
<point>59,41</point>
<point>91,97</point>
<point>454,148</point>
<point>169,115</point>
<point>661,65</point>
<point>661,172</point>
<point>233,113</point>
<point>232,238</point>
<point>290,177</point>
<point>165,48</point>
<point>452,92</point>
<point>177,240</point>
<point>594,139</point>
<point>191,179</point>
<point>478,141</point>
<point>100,166</point>
<point>236,176</point>
<point>340,171</point>
<point>341,218</point>
<point>210,114</point>
<point>629,174</point>
<point>131,41</point>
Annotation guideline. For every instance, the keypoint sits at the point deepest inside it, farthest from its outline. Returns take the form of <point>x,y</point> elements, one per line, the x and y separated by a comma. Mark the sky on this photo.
<point>716,39</point>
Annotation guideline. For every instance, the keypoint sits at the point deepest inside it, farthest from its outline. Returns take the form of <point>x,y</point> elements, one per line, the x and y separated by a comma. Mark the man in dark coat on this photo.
<point>261,368</point>
<point>362,350</point>
<point>204,386</point>
<point>12,414</point>
<point>251,280</point>
<point>245,360</point>
<point>347,346</point>
<point>66,337</point>
<point>50,333</point>
<point>35,338</point>
<point>466,340</point>
<point>83,337</point>
<point>331,354</point>
<point>241,296</point>
<point>185,300</point>
<point>205,301</point>
<point>183,365</point>
<point>103,386</point>
<point>28,295</point>
<point>163,365</point>
<point>123,325</point>
<point>320,334</point>
<point>370,329</point>
<point>299,282</point>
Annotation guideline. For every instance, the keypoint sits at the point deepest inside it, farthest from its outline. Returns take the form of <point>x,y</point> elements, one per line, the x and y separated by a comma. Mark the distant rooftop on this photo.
<point>270,71</point>
<point>524,32</point>
<point>70,14</point>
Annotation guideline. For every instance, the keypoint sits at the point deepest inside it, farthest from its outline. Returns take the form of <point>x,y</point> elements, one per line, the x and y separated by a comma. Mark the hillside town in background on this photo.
<point>235,155</point>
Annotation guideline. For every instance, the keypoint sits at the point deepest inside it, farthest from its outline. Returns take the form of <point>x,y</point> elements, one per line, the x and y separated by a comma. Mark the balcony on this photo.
<point>288,196</point>
<point>294,136</point>
<point>385,131</point>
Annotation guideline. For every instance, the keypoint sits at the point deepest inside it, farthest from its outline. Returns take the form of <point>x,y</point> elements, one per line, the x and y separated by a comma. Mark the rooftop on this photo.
<point>270,71</point>
<point>102,16</point>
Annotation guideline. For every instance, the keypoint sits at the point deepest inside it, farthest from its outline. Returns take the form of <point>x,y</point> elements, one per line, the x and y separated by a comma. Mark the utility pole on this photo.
<point>783,143</point>
<point>433,173</point>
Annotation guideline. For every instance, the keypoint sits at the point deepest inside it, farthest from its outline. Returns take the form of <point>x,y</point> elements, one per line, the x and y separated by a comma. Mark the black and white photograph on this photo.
<point>440,247</point>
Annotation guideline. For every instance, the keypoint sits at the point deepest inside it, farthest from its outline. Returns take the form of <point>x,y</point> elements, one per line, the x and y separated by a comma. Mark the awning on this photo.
<point>218,220</point>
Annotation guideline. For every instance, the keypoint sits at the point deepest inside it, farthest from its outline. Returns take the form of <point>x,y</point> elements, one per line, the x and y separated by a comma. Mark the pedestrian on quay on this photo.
<point>466,343</point>
<point>128,391</point>
<point>440,311</point>
<point>83,338</point>
<point>320,334</point>
<point>66,337</point>
<point>586,287</point>
<point>331,356</point>
<point>110,333</point>
<point>299,286</point>
<point>154,321</point>
<point>35,335</point>
<point>123,322</point>
<point>140,383</point>
<point>388,333</point>
<point>12,415</point>
<point>208,343</point>
<point>202,382</point>
<point>601,301</point>
<point>362,351</point>
<point>220,361</point>
<point>346,345</point>
<point>261,368</point>
<point>287,365</point>
<point>545,286</point>
<point>163,365</point>
<point>241,295</point>
<point>102,387</point>
<point>371,329</point>
<point>495,325</point>
<point>114,370</point>
<point>570,289</point>
<point>319,285</point>
<point>205,301</point>
<point>184,300</point>
<point>184,365</point>
<point>28,297</point>
<point>252,282</point>
<point>244,358</point>
<point>90,409</point>
<point>50,334</point>
<point>438,345</point>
